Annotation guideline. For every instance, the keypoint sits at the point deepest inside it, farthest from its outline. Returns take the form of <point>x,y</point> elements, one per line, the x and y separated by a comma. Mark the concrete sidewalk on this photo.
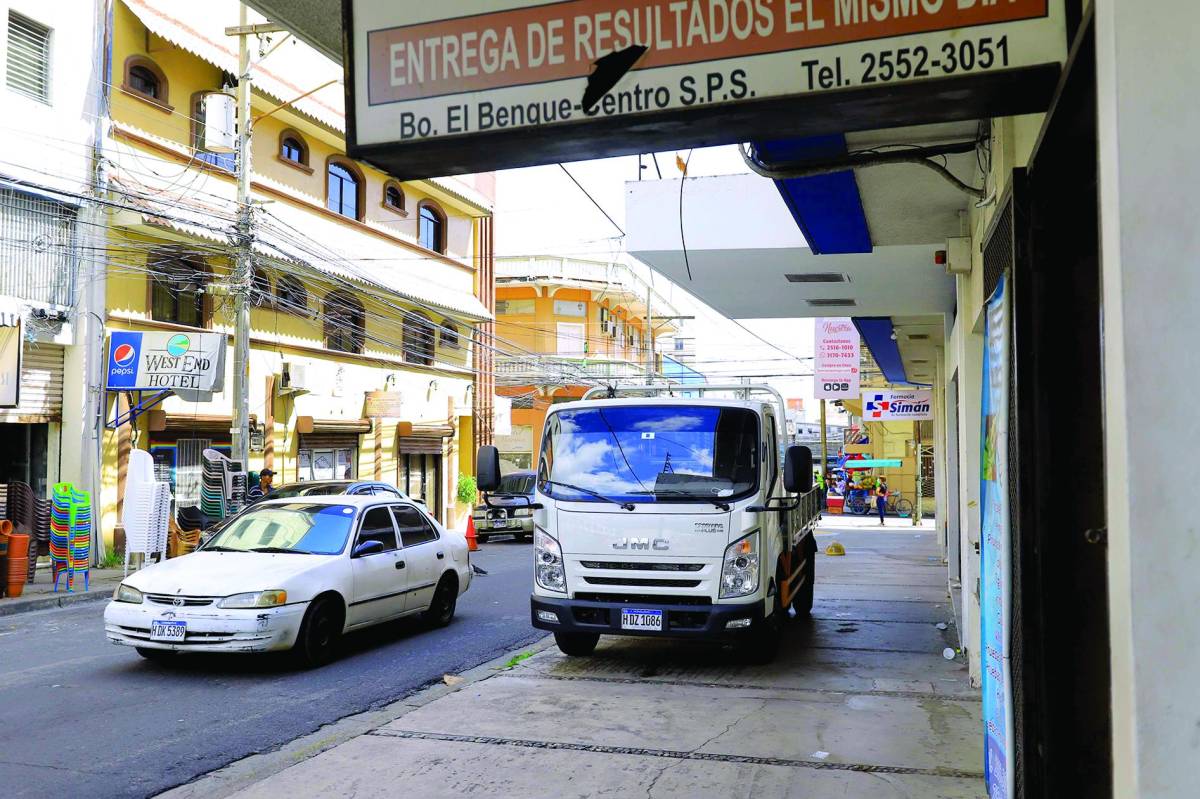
<point>40,594</point>
<point>860,703</point>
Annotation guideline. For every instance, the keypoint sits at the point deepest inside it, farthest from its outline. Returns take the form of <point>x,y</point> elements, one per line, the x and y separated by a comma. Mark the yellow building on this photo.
<point>575,324</point>
<point>361,284</point>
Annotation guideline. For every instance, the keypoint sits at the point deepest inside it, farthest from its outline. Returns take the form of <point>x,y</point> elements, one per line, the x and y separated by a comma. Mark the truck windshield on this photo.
<point>646,453</point>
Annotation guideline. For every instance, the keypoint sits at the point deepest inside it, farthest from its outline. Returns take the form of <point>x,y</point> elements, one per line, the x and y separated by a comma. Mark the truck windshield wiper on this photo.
<point>281,550</point>
<point>590,492</point>
<point>678,493</point>
<point>221,549</point>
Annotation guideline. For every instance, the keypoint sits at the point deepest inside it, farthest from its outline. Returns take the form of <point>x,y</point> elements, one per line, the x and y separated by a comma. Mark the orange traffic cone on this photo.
<point>472,542</point>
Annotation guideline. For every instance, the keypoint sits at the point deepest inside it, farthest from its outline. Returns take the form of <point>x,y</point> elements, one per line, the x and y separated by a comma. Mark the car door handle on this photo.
<point>399,564</point>
<point>441,555</point>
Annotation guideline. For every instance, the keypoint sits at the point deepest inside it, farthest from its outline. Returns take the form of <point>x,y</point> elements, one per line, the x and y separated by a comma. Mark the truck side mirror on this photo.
<point>798,470</point>
<point>487,469</point>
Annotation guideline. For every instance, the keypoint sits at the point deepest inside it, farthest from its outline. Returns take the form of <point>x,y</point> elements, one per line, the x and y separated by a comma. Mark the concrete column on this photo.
<point>1148,121</point>
<point>970,388</point>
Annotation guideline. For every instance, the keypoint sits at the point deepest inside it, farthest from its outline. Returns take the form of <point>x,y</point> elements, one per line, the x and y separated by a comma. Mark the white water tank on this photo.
<point>220,133</point>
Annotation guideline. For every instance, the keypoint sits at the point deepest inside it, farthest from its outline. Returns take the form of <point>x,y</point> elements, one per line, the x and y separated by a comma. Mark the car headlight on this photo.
<point>547,562</point>
<point>739,573</point>
<point>127,593</point>
<point>523,512</point>
<point>254,599</point>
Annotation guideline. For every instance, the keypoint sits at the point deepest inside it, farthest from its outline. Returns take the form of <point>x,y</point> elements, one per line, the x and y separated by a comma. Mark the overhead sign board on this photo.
<point>838,355</point>
<point>547,80</point>
<point>155,361</point>
<point>888,405</point>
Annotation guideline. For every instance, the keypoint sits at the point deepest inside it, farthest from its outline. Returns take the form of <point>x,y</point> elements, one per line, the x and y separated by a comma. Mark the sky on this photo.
<point>540,211</point>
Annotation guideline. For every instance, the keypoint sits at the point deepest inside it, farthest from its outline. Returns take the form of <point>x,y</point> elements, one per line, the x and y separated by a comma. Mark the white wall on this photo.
<point>43,143</point>
<point>1149,173</point>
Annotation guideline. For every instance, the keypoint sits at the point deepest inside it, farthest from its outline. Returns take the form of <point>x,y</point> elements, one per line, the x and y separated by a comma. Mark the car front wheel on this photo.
<point>576,644</point>
<point>319,635</point>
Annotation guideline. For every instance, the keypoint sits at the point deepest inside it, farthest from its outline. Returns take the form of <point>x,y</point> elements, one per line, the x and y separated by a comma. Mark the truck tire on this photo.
<point>577,644</point>
<point>802,601</point>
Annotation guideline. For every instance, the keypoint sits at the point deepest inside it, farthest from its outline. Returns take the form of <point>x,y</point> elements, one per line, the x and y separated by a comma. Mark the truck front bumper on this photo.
<point>710,622</point>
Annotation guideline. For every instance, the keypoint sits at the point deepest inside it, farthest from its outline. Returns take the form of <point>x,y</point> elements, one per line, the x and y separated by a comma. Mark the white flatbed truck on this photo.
<point>665,516</point>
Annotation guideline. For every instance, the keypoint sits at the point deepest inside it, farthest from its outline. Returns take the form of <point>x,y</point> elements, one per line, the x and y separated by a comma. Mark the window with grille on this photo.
<point>290,294</point>
<point>177,289</point>
<point>28,57</point>
<point>418,338</point>
<point>345,323</point>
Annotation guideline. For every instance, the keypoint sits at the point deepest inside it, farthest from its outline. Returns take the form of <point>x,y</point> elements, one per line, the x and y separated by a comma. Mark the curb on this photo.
<point>249,770</point>
<point>14,606</point>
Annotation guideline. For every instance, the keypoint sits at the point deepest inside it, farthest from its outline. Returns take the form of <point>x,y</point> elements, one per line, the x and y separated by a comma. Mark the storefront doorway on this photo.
<point>419,475</point>
<point>25,459</point>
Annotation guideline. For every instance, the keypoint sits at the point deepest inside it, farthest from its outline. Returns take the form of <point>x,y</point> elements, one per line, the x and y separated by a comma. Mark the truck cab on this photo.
<point>662,516</point>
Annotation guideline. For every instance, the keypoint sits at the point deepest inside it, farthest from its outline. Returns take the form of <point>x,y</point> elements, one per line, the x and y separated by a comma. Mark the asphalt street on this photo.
<point>81,716</point>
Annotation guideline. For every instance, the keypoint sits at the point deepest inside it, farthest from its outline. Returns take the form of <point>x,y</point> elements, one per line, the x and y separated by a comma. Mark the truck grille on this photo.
<point>642,599</point>
<point>643,583</point>
<point>644,567</point>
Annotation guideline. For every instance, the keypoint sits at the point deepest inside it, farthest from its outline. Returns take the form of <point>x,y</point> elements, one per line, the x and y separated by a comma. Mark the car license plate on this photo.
<point>637,619</point>
<point>163,630</point>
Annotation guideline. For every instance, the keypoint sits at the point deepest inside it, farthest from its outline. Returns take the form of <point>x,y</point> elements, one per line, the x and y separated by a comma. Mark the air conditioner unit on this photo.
<point>958,256</point>
<point>295,378</point>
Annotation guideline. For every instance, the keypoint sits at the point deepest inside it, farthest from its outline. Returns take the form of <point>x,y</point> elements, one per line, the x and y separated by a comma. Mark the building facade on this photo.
<point>363,291</point>
<point>51,104</point>
<point>573,324</point>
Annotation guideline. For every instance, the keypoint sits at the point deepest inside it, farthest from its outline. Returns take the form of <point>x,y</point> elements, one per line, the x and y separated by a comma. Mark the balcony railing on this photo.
<point>37,248</point>
<point>561,370</point>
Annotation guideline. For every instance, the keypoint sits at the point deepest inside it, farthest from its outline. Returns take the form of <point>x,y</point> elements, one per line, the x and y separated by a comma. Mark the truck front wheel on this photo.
<point>576,644</point>
<point>802,600</point>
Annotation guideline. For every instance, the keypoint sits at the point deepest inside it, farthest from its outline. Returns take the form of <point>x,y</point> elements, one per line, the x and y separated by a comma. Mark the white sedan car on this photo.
<point>294,574</point>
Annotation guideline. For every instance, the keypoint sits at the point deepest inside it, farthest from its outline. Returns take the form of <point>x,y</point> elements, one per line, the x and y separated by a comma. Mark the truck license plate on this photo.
<point>638,619</point>
<point>162,630</point>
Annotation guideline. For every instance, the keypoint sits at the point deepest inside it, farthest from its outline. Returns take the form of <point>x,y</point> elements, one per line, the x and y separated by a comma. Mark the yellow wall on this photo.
<point>339,380</point>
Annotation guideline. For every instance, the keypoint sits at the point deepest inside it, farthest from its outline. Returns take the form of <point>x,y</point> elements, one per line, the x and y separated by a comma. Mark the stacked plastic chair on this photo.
<point>212,487</point>
<point>146,510</point>
<point>60,531</point>
<point>70,534</point>
<point>30,516</point>
<point>223,486</point>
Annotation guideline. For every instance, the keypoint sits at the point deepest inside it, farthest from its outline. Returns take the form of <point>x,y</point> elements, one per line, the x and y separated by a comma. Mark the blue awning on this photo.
<point>880,337</point>
<point>827,208</point>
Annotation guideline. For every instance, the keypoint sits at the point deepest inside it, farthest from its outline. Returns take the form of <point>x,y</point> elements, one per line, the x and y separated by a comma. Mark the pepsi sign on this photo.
<point>157,361</point>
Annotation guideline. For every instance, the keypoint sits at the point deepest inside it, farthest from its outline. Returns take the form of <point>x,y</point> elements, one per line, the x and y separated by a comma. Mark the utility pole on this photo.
<point>650,334</point>
<point>242,277</point>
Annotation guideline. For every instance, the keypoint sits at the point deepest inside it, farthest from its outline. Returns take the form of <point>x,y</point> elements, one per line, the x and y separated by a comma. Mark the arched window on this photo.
<point>344,188</point>
<point>418,338</point>
<point>345,322</point>
<point>177,288</point>
<point>432,228</point>
<point>260,287</point>
<point>450,335</point>
<point>393,198</point>
<point>293,150</point>
<point>143,79</point>
<point>290,295</point>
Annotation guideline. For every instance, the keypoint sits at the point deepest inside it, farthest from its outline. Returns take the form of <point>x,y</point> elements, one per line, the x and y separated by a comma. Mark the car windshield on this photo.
<point>631,453</point>
<point>293,527</point>
<point>516,484</point>
<point>309,490</point>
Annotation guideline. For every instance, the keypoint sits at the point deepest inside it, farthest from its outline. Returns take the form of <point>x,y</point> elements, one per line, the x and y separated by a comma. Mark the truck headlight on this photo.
<point>254,599</point>
<point>523,512</point>
<point>739,573</point>
<point>127,593</point>
<point>547,562</point>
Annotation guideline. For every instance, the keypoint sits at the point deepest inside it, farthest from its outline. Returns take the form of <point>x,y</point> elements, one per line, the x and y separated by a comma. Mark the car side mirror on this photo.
<point>798,470</point>
<point>487,469</point>
<point>367,548</point>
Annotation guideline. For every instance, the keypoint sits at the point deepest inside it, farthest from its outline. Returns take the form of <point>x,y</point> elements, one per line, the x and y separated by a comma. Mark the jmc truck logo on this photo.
<point>642,543</point>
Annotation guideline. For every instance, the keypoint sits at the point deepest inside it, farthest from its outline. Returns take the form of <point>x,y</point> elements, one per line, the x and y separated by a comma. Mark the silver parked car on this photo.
<point>509,513</point>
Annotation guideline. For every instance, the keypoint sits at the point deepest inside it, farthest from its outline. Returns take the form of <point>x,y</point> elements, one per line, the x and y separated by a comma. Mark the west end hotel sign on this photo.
<point>139,361</point>
<point>421,73</point>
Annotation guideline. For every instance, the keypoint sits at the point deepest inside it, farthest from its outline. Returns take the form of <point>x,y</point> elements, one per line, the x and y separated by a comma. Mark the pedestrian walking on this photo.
<point>881,495</point>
